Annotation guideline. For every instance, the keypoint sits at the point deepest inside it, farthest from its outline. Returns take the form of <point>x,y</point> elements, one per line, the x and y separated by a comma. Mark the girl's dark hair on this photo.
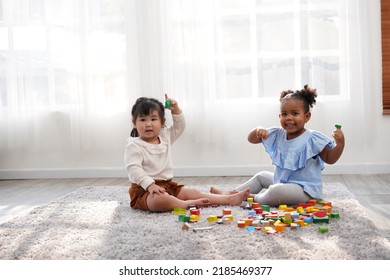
<point>307,95</point>
<point>142,107</point>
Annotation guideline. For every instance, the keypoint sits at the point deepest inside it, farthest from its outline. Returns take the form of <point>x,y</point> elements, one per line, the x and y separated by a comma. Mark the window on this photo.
<point>259,47</point>
<point>62,53</point>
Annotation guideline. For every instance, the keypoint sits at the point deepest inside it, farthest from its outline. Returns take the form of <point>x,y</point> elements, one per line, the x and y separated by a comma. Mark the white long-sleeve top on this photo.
<point>147,162</point>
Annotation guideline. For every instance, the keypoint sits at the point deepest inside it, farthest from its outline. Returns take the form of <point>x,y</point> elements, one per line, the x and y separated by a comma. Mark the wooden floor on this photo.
<point>18,197</point>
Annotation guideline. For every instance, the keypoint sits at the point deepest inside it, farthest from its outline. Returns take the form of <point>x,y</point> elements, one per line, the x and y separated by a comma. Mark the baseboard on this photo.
<point>184,171</point>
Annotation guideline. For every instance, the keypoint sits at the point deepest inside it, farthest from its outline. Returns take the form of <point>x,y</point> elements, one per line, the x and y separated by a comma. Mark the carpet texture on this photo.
<point>97,223</point>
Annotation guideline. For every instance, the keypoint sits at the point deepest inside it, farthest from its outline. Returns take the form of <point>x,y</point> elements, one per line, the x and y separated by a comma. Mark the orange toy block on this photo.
<point>226,211</point>
<point>240,224</point>
<point>255,205</point>
<point>280,227</point>
<point>313,201</point>
<point>248,222</point>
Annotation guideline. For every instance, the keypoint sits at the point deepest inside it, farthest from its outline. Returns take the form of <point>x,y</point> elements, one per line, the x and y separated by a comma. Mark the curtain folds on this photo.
<point>71,70</point>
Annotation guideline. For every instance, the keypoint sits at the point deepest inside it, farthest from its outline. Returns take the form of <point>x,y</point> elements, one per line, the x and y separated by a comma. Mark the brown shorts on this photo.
<point>138,196</point>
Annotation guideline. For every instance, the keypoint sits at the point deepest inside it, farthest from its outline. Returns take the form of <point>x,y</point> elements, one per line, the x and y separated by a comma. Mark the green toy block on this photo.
<point>334,215</point>
<point>184,218</point>
<point>323,229</point>
<point>317,220</point>
<point>266,208</point>
<point>168,104</point>
<point>338,126</point>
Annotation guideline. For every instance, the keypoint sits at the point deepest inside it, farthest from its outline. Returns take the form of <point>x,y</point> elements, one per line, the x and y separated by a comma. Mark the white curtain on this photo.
<point>71,69</point>
<point>63,74</point>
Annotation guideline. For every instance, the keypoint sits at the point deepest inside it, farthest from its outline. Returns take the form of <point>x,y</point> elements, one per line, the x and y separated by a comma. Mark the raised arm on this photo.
<point>257,135</point>
<point>331,156</point>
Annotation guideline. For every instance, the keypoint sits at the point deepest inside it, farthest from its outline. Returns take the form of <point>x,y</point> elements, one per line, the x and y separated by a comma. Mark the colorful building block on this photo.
<point>323,229</point>
<point>226,211</point>
<point>317,220</point>
<point>186,226</point>
<point>212,218</point>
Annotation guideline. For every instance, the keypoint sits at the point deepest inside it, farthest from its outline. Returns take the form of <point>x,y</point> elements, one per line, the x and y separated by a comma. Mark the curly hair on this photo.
<point>307,95</point>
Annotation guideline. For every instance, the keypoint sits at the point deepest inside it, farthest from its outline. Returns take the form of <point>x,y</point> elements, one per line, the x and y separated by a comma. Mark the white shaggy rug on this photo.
<point>97,223</point>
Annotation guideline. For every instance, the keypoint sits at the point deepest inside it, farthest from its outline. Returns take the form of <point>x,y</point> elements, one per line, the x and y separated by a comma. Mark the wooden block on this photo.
<point>186,226</point>
<point>226,211</point>
<point>323,229</point>
<point>255,205</point>
<point>280,227</point>
<point>195,212</point>
<point>240,224</point>
<point>212,218</point>
<point>282,207</point>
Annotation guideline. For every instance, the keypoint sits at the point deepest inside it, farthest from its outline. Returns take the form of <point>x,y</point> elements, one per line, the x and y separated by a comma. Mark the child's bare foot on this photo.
<point>201,202</point>
<point>239,197</point>
<point>216,190</point>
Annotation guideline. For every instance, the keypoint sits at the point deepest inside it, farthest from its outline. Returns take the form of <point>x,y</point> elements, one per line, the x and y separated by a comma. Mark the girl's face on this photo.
<point>149,126</point>
<point>293,117</point>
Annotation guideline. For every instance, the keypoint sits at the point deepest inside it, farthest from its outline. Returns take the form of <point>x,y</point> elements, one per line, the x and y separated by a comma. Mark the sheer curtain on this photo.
<point>71,69</point>
<point>227,61</point>
<point>63,74</point>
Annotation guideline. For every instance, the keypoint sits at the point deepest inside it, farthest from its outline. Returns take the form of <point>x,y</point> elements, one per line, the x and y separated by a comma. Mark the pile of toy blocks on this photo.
<point>262,218</point>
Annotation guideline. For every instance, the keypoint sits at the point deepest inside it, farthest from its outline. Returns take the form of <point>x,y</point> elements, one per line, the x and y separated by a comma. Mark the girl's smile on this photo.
<point>293,117</point>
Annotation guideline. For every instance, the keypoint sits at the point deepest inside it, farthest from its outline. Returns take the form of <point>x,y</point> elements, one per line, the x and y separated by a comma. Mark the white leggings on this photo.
<point>268,193</point>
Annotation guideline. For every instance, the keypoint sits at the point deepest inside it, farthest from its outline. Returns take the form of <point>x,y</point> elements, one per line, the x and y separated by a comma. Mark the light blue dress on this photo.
<point>297,161</point>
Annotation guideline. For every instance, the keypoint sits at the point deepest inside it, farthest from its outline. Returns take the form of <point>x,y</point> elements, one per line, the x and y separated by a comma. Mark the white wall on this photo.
<point>367,134</point>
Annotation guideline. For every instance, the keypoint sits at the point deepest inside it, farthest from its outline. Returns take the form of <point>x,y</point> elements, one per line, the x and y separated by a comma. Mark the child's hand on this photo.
<point>174,106</point>
<point>262,133</point>
<point>338,136</point>
<point>155,189</point>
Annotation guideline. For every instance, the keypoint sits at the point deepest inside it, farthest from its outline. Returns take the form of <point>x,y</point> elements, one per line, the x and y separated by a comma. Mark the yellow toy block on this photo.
<point>194,218</point>
<point>282,207</point>
<point>267,229</point>
<point>230,217</point>
<point>212,218</point>
<point>278,222</point>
